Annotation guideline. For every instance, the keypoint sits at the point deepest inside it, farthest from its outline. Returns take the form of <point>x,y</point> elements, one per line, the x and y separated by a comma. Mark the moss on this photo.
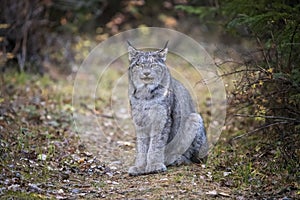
<point>11,195</point>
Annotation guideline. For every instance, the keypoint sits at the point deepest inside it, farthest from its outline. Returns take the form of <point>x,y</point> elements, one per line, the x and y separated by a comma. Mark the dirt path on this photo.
<point>192,182</point>
<point>117,150</point>
<point>110,138</point>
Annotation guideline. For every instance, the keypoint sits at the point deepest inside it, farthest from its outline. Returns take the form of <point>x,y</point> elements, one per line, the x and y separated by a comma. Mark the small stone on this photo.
<point>60,191</point>
<point>75,191</point>
<point>212,193</point>
<point>226,173</point>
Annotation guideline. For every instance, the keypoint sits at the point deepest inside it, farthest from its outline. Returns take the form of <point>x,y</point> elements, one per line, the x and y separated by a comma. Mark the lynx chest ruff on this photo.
<point>143,111</point>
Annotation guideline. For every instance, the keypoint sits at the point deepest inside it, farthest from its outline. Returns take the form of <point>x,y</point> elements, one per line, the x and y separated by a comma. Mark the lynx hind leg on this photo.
<point>198,150</point>
<point>179,150</point>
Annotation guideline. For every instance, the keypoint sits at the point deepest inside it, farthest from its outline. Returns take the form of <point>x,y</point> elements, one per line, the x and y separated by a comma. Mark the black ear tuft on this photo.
<point>166,45</point>
<point>163,52</point>
<point>131,51</point>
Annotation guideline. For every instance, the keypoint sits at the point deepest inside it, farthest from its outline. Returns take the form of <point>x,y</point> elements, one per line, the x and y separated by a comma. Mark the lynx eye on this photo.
<point>136,67</point>
<point>138,64</point>
<point>153,66</point>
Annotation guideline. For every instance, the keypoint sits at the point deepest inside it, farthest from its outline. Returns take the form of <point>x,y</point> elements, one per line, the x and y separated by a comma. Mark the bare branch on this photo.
<point>256,130</point>
<point>263,51</point>
<point>292,46</point>
<point>268,117</point>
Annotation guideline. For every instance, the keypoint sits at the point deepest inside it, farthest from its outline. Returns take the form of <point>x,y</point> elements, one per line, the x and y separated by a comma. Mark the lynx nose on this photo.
<point>146,73</point>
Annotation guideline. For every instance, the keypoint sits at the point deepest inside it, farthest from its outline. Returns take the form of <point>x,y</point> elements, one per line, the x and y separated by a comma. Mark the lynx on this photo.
<point>169,131</point>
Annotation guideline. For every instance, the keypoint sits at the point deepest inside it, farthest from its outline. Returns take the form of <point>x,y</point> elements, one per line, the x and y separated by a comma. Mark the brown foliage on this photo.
<point>24,31</point>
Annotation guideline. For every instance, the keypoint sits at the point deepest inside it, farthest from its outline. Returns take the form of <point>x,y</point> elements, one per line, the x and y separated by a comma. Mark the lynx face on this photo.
<point>147,68</point>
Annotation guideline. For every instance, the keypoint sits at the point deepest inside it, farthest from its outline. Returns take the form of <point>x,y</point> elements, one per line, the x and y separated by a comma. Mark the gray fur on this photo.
<point>169,131</point>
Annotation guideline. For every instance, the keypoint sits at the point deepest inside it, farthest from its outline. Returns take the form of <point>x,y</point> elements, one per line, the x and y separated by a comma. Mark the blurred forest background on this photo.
<point>255,46</point>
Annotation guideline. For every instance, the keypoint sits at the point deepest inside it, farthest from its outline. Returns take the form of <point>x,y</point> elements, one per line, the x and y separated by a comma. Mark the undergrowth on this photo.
<point>252,166</point>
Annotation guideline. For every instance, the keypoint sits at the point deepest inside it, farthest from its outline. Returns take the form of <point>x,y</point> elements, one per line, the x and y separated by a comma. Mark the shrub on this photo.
<point>269,86</point>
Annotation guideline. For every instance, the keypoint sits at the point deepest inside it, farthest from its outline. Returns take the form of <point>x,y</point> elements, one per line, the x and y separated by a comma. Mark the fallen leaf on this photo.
<point>212,193</point>
<point>224,194</point>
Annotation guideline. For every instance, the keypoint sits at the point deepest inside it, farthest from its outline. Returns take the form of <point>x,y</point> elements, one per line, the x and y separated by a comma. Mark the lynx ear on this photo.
<point>163,52</point>
<point>131,51</point>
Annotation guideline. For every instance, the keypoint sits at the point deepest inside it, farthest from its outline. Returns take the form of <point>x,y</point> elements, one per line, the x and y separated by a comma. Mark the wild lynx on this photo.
<point>168,129</point>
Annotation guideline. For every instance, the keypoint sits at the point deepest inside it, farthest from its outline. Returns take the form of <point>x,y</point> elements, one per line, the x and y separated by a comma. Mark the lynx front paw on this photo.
<point>156,168</point>
<point>135,171</point>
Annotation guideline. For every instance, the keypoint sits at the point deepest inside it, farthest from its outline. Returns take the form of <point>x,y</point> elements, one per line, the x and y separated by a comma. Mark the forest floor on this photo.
<point>43,157</point>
